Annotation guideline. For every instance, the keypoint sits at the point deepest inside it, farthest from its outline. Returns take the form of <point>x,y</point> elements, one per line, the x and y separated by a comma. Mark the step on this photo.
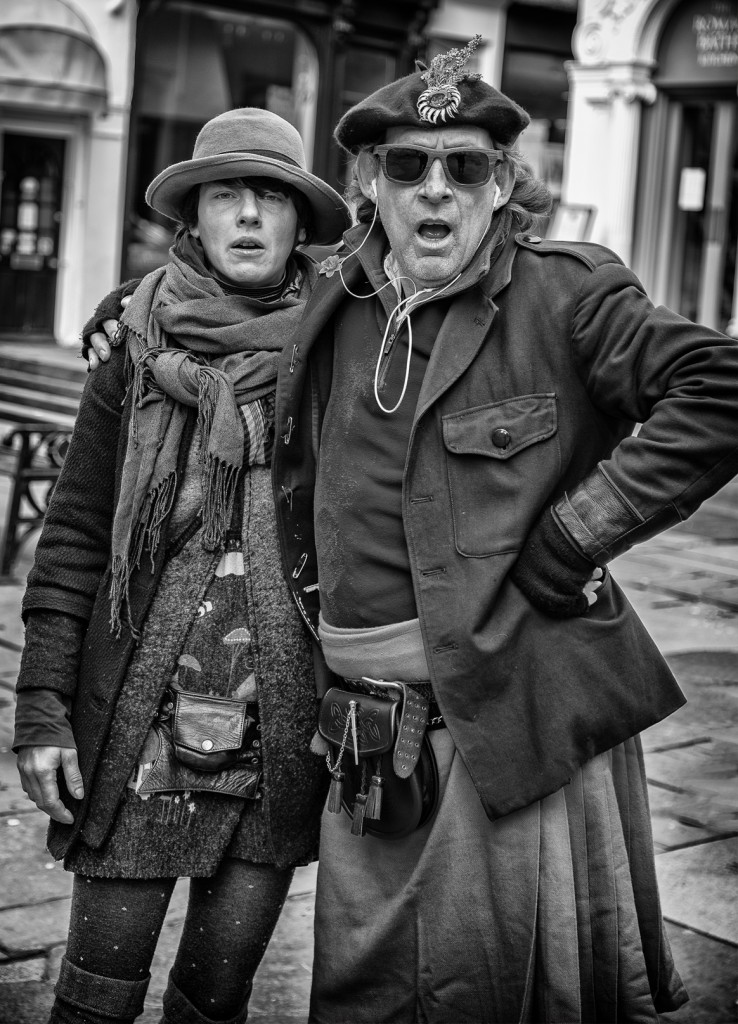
<point>37,399</point>
<point>12,413</point>
<point>40,381</point>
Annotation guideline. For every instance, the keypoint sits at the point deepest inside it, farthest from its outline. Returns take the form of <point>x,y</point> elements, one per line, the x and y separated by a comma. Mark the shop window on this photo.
<point>537,45</point>
<point>193,63</point>
<point>363,70</point>
<point>30,218</point>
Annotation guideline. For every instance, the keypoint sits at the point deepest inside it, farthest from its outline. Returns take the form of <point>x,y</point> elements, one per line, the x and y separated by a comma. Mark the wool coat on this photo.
<point>71,574</point>
<point>559,347</point>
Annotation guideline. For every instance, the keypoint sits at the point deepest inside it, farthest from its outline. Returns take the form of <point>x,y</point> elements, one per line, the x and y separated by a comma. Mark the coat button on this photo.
<point>535,239</point>
<point>207,744</point>
<point>501,438</point>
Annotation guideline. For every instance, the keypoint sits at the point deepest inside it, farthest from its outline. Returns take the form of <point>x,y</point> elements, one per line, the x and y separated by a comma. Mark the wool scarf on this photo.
<point>192,344</point>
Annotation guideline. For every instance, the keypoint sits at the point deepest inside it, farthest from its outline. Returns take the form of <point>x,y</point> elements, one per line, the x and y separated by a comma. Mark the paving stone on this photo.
<point>29,872</point>
<point>709,970</point>
<point>26,1002</point>
<point>31,929</point>
<point>53,962</point>
<point>12,971</point>
<point>709,679</point>
<point>699,888</point>
<point>705,767</point>
<point>675,731</point>
<point>674,820</point>
<point>282,983</point>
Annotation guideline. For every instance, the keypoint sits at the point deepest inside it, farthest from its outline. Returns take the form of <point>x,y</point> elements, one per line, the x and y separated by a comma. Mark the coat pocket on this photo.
<point>502,461</point>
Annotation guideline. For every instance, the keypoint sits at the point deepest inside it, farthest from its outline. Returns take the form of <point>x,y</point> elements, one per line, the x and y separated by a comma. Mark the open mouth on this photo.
<point>434,232</point>
<point>247,245</point>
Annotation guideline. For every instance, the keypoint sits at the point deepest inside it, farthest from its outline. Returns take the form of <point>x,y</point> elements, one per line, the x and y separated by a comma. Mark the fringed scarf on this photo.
<point>191,344</point>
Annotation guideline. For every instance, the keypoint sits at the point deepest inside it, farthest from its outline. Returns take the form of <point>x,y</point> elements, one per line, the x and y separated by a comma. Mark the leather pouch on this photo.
<point>384,773</point>
<point>376,721</point>
<point>211,733</point>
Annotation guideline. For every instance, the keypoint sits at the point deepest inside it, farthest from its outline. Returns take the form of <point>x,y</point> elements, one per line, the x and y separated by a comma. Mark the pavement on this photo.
<point>684,585</point>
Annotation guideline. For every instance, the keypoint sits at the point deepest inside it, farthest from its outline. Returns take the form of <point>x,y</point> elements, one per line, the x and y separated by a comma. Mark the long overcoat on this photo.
<point>71,574</point>
<point>559,346</point>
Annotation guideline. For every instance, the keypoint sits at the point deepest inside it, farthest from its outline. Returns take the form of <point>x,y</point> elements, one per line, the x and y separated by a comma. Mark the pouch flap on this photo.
<point>376,721</point>
<point>208,724</point>
<point>501,429</point>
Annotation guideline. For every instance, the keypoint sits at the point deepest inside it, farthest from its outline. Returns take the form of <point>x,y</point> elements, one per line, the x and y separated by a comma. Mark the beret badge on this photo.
<point>442,99</point>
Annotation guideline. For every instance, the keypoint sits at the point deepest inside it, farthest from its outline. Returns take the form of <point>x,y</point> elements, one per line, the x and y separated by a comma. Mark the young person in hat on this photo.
<point>472,389</point>
<point>166,697</point>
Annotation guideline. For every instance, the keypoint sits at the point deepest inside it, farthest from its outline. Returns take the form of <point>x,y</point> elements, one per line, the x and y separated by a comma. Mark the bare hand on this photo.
<point>99,351</point>
<point>38,767</point>
<point>593,584</point>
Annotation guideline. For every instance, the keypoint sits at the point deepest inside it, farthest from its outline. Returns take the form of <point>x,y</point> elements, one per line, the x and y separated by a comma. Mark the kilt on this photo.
<point>548,915</point>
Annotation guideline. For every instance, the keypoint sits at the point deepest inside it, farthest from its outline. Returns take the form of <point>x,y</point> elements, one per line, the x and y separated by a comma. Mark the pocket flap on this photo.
<point>376,722</point>
<point>208,724</point>
<point>501,429</point>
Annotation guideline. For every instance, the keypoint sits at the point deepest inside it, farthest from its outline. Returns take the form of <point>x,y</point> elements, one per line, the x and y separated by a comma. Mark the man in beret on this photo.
<point>455,465</point>
<point>473,391</point>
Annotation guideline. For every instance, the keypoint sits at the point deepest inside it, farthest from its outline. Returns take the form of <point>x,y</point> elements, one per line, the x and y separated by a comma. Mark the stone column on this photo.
<point>603,146</point>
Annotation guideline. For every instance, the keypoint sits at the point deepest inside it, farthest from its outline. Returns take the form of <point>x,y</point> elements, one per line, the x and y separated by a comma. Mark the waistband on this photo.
<point>393,651</point>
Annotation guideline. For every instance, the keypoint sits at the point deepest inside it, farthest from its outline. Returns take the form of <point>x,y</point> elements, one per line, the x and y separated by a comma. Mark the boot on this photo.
<point>84,998</point>
<point>179,1010</point>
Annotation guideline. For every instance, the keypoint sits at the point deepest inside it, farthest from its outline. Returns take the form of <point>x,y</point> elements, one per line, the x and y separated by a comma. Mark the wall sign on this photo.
<point>700,45</point>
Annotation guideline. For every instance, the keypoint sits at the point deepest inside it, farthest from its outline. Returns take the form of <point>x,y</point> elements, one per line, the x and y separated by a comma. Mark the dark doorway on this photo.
<point>30,216</point>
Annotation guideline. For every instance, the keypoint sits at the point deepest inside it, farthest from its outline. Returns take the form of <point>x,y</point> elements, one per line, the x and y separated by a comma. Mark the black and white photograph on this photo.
<point>368,512</point>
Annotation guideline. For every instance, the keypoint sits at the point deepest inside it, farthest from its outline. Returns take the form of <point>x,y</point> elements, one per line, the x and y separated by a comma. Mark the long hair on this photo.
<point>530,197</point>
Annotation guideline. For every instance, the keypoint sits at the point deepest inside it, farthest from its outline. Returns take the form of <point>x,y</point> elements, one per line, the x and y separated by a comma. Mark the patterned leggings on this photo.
<point>115,925</point>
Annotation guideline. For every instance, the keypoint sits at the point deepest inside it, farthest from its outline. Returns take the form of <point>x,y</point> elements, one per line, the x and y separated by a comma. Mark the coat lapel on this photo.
<point>464,330</point>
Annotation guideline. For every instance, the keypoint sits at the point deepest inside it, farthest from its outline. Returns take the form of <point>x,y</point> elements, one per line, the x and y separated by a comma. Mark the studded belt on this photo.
<point>414,719</point>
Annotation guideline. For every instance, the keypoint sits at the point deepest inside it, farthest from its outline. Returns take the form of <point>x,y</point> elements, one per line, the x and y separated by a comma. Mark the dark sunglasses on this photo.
<point>409,165</point>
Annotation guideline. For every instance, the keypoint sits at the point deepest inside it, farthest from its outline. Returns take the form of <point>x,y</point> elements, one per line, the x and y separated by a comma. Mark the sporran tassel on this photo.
<point>374,798</point>
<point>335,792</point>
<point>358,824</point>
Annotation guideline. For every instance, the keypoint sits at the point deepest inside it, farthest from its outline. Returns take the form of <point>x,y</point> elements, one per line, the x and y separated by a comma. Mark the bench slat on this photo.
<point>39,383</point>
<point>13,414</point>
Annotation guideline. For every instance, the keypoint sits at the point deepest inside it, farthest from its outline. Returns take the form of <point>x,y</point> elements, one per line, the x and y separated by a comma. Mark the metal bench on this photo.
<point>38,407</point>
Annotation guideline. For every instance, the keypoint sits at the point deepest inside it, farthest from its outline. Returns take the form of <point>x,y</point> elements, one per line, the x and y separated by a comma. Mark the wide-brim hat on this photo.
<point>251,143</point>
<point>444,98</point>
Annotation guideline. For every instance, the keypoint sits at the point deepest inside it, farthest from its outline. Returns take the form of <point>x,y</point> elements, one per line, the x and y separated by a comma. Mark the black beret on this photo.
<point>397,104</point>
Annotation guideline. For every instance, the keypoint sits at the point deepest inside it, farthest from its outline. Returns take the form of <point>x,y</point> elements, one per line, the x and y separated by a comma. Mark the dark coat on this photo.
<point>71,574</point>
<point>560,346</point>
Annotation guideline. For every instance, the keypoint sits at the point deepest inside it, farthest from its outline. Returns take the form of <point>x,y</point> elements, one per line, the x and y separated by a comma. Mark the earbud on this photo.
<point>373,187</point>
<point>497,196</point>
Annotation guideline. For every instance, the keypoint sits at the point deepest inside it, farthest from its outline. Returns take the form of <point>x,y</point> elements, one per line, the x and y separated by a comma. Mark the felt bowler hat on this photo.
<point>250,143</point>
<point>442,95</point>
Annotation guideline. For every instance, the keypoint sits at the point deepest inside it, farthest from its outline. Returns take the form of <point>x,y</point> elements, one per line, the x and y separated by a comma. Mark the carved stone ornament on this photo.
<point>441,99</point>
<point>616,10</point>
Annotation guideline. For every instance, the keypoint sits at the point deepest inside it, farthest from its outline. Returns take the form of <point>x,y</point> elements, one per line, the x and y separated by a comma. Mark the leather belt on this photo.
<point>435,717</point>
<point>415,717</point>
